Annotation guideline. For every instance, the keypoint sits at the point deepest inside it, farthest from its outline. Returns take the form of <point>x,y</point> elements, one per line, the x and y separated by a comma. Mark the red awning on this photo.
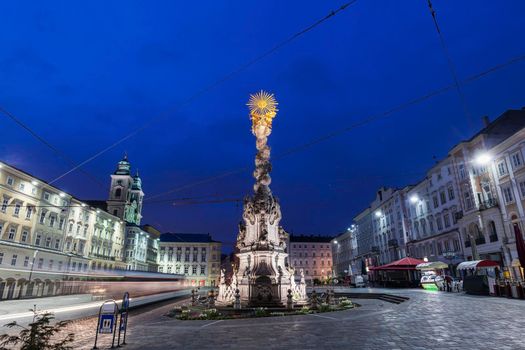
<point>476,264</point>
<point>403,264</point>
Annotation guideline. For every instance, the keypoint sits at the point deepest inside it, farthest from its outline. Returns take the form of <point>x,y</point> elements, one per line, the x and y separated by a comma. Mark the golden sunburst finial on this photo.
<point>262,104</point>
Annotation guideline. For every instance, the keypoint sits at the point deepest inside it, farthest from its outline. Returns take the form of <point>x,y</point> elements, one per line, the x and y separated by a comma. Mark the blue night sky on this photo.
<point>84,75</point>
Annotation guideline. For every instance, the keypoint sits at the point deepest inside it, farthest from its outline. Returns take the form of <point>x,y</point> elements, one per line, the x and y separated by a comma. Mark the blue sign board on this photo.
<point>106,324</point>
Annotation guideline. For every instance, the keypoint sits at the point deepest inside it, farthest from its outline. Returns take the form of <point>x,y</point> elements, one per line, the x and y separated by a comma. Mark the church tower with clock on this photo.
<point>125,194</point>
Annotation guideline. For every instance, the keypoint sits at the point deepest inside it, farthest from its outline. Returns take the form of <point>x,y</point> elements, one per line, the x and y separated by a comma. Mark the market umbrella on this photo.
<point>520,244</point>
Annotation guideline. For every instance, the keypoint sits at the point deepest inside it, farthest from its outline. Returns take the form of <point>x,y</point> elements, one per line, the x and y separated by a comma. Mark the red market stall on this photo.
<point>400,273</point>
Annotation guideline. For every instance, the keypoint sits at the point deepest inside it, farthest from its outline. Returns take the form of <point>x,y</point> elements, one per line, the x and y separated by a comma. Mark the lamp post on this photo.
<point>29,287</point>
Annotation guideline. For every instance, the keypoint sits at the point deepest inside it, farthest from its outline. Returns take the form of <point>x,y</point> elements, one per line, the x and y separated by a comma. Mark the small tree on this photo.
<point>38,335</point>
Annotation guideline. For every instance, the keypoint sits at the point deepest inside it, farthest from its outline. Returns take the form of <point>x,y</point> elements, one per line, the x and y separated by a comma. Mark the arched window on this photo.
<point>493,235</point>
<point>118,192</point>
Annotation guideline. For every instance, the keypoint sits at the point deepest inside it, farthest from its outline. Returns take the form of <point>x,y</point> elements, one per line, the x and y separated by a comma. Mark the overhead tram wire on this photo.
<point>357,124</point>
<point>450,63</point>
<point>55,150</point>
<point>211,86</point>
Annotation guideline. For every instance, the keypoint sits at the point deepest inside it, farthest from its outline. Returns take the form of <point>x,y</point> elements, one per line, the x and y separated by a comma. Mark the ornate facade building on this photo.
<point>464,209</point>
<point>433,209</point>
<point>49,239</point>
<point>196,256</point>
<point>125,201</point>
<point>313,254</point>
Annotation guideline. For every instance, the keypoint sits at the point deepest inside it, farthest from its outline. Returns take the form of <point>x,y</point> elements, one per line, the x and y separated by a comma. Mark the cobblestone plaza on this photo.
<point>428,320</point>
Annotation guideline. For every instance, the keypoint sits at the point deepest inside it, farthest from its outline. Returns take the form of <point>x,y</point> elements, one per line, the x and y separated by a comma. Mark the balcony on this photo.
<point>493,238</point>
<point>480,240</point>
<point>104,257</point>
<point>393,243</point>
<point>490,203</point>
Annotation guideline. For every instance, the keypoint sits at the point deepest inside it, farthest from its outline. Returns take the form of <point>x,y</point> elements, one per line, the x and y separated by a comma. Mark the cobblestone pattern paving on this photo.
<point>427,321</point>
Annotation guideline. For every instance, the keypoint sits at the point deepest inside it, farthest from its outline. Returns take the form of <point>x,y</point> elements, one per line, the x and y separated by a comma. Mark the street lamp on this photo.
<point>378,214</point>
<point>482,159</point>
<point>414,199</point>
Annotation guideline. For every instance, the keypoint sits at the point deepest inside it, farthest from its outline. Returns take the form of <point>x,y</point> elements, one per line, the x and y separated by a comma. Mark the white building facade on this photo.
<point>196,256</point>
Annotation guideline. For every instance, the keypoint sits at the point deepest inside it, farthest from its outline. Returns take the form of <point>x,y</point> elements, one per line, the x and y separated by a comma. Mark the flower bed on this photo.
<point>187,312</point>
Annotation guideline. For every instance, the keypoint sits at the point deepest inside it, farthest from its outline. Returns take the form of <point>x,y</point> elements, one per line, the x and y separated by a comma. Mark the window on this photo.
<point>70,229</point>
<point>118,192</point>
<point>26,261</point>
<point>42,217</point>
<point>40,263</point>
<point>22,186</point>
<point>435,200</point>
<point>60,265</point>
<point>516,160</point>
<point>195,254</point>
<point>502,168</point>
<point>25,234</point>
<point>50,265</point>
<point>4,205</point>
<point>52,220</point>
<point>1,257</point>
<point>13,260</point>
<point>46,196</point>
<point>456,245</point>
<point>61,223</point>
<point>12,232</point>
<point>446,219</point>
<point>439,223</point>
<point>48,242</point>
<point>10,181</point>
<point>442,197</point>
<point>186,269</point>
<point>203,269</point>
<point>38,239</point>
<point>468,199</point>
<point>450,193</point>
<point>115,212</point>
<point>57,243</point>
<point>29,212</point>
<point>522,189</point>
<point>507,194</point>
<point>17,209</point>
<point>33,190</point>
<point>462,173</point>
<point>169,269</point>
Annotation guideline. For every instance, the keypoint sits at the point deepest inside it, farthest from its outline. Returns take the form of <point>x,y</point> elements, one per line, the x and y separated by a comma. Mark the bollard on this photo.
<point>289,300</point>
<point>237,303</point>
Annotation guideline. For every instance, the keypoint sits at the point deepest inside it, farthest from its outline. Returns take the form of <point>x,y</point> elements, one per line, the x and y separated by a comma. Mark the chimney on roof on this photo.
<point>486,121</point>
